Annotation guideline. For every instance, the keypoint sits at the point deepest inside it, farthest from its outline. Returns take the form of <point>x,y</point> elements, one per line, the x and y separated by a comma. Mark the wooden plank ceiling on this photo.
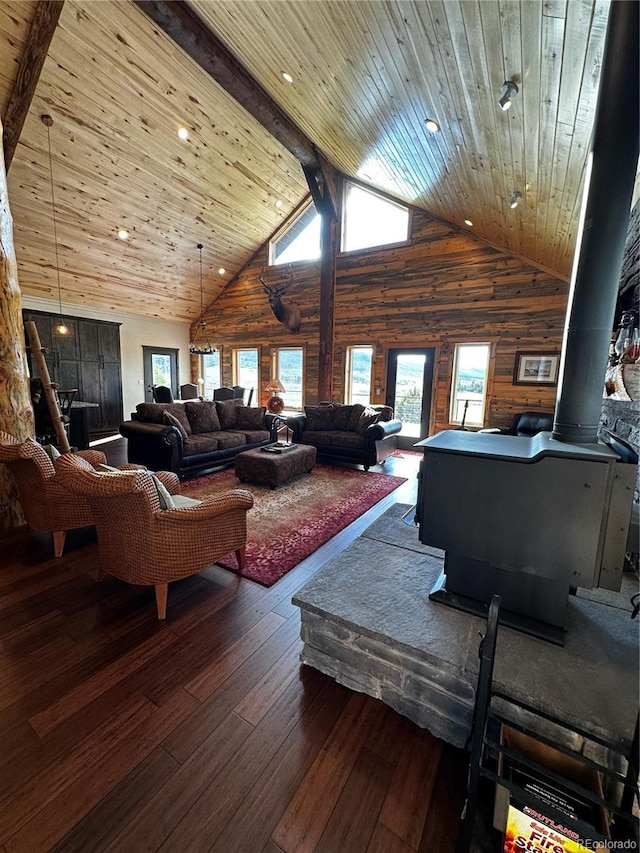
<point>366,75</point>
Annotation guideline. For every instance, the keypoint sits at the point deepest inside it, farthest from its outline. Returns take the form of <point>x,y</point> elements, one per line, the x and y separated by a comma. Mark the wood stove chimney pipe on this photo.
<point>602,232</point>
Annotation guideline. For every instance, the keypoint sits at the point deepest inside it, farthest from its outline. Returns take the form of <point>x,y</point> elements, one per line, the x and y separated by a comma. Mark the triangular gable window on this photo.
<point>300,241</point>
<point>369,219</point>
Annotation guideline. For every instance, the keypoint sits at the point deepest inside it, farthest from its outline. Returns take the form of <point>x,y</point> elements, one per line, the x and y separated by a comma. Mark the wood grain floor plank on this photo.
<point>223,665</point>
<point>447,799</point>
<point>355,815</point>
<point>42,789</point>
<point>384,841</point>
<point>303,823</point>
<point>186,739</point>
<point>50,824</point>
<point>94,832</point>
<point>211,812</point>
<point>159,814</point>
<point>47,720</point>
<point>407,802</point>
<point>251,825</point>
<point>261,698</point>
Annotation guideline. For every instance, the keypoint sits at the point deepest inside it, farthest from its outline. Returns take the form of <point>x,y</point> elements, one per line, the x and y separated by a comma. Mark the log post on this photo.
<point>16,412</point>
<point>37,353</point>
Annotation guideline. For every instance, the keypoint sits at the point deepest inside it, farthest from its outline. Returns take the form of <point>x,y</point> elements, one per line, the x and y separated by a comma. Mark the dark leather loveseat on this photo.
<point>195,435</point>
<point>343,433</point>
<point>526,423</point>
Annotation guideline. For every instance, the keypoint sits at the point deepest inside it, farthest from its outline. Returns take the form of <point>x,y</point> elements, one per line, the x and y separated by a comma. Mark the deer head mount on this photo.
<point>289,315</point>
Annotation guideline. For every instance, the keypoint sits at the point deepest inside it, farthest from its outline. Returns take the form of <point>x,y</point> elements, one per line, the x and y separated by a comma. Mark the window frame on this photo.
<point>235,370</point>
<point>288,226</point>
<point>384,197</point>
<point>348,370</point>
<point>453,396</point>
<point>207,390</point>
<point>275,369</point>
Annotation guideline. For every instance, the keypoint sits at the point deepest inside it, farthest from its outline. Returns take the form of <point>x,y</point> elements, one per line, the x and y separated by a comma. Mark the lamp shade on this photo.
<point>275,386</point>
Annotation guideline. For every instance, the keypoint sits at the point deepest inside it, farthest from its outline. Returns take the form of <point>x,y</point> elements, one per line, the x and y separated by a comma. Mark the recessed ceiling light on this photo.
<point>123,234</point>
<point>286,76</point>
<point>468,222</point>
<point>183,133</point>
<point>222,271</point>
<point>432,125</point>
<point>278,203</point>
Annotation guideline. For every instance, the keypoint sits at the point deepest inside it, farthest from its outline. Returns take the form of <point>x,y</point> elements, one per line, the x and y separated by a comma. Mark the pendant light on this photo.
<point>61,328</point>
<point>200,344</point>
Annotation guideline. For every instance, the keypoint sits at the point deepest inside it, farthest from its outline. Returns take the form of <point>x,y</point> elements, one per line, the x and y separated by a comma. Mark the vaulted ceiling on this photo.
<point>366,74</point>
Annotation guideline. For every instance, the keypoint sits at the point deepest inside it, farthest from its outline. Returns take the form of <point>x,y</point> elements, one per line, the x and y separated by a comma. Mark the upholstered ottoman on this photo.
<point>273,469</point>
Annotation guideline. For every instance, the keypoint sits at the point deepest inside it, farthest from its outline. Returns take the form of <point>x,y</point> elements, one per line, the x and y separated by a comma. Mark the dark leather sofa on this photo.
<point>193,436</point>
<point>343,433</point>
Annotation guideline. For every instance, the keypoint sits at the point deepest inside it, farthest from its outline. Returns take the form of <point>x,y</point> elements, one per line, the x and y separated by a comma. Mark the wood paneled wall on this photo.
<point>442,287</point>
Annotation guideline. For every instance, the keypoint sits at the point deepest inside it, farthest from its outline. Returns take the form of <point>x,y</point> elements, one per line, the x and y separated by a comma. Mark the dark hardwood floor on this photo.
<point>122,733</point>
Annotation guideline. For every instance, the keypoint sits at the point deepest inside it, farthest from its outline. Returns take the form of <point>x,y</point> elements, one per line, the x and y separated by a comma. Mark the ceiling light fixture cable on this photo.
<point>200,344</point>
<point>61,328</point>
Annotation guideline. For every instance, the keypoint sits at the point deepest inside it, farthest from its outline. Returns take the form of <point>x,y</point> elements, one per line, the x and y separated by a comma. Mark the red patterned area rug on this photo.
<point>289,523</point>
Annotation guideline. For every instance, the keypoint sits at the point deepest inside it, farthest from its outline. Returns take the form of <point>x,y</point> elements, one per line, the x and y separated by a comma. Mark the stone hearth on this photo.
<point>367,622</point>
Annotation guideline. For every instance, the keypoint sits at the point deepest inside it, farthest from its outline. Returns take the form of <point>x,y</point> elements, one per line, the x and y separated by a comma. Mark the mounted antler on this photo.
<point>289,315</point>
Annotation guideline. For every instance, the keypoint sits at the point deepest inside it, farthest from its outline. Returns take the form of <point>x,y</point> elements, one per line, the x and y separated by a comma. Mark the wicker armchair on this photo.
<point>47,506</point>
<point>143,544</point>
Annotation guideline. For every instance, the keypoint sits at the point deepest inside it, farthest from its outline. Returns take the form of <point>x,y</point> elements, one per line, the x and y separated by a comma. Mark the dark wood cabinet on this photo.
<point>89,360</point>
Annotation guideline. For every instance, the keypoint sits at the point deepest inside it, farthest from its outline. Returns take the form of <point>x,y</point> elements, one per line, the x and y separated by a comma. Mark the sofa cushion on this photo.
<point>319,417</point>
<point>342,416</point>
<point>356,410</point>
<point>231,438</point>
<point>228,412</point>
<point>250,417</point>
<point>202,415</point>
<point>204,442</point>
<point>349,440</point>
<point>171,420</point>
<point>368,417</point>
<point>254,436</point>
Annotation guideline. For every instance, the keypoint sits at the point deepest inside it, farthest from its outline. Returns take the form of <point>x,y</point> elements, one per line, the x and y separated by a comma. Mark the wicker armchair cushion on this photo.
<point>165,499</point>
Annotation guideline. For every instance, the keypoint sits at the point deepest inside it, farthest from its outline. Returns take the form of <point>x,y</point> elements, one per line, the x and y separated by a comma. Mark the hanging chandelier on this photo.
<point>61,327</point>
<point>200,344</point>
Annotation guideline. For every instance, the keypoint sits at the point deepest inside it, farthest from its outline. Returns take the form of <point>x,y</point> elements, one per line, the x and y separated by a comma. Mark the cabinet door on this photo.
<point>109,335</point>
<point>91,384</point>
<point>111,395</point>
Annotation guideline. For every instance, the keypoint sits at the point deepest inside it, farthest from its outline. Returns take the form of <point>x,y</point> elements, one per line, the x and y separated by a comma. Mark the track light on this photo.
<point>515,198</point>
<point>509,91</point>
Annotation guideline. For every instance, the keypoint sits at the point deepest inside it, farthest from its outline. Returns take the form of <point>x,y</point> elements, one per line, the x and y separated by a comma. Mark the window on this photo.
<point>357,381</point>
<point>300,240</point>
<point>210,373</point>
<point>288,364</point>
<point>369,219</point>
<point>245,368</point>
<point>469,385</point>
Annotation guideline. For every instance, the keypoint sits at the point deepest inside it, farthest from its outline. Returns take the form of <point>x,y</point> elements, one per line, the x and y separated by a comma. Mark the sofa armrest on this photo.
<point>157,446</point>
<point>376,432</point>
<point>297,424</point>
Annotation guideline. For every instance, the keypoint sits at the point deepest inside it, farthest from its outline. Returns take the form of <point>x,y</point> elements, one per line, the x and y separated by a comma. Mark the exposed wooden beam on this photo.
<point>329,243</point>
<point>187,30</point>
<point>43,26</point>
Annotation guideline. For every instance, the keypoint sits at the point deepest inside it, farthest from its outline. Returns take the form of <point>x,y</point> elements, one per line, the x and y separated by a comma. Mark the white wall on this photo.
<point>135,332</point>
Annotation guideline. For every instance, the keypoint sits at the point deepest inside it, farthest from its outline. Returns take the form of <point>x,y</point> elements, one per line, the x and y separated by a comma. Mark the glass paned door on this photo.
<point>409,379</point>
<point>160,368</point>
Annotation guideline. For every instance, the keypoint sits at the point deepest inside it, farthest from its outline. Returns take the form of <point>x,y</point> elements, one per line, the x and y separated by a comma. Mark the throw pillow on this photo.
<point>386,413</point>
<point>150,412</point>
<point>251,417</point>
<point>166,501</point>
<point>203,416</point>
<point>341,417</point>
<point>171,420</point>
<point>178,411</point>
<point>357,410</point>
<point>368,417</point>
<point>319,418</point>
<point>228,412</point>
<point>52,452</point>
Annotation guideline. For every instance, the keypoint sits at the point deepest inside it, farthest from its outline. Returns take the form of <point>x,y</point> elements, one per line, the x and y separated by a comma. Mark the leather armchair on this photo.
<point>526,423</point>
<point>140,543</point>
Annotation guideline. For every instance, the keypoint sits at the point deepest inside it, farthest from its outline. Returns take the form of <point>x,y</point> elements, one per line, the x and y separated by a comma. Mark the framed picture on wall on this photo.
<point>536,368</point>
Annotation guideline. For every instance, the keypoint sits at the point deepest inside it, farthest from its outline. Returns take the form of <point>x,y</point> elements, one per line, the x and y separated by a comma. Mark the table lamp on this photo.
<point>275,404</point>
